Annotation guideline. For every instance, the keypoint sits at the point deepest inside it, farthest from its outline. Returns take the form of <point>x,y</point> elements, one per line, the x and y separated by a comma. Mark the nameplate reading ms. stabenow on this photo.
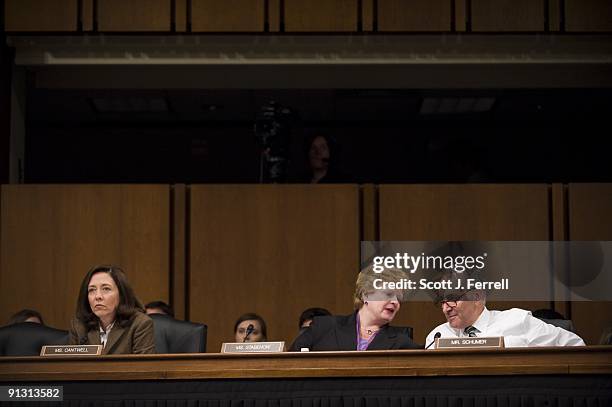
<point>71,350</point>
<point>252,347</point>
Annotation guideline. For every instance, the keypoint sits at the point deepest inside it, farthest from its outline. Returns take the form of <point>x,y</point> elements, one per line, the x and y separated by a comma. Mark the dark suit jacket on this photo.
<point>137,337</point>
<point>334,333</point>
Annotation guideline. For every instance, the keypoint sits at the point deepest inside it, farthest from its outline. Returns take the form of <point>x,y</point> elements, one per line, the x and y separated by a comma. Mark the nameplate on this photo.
<point>250,347</point>
<point>493,342</point>
<point>71,350</point>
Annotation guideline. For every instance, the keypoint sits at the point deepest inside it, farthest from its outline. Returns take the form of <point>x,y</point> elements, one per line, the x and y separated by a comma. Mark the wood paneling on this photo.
<point>554,15</point>
<point>463,212</point>
<point>271,249</point>
<point>400,363</point>
<point>414,15</point>
<point>7,114</point>
<point>134,15</point>
<point>588,15</point>
<point>51,235</point>
<point>369,212</point>
<point>180,13</point>
<point>560,232</point>
<point>590,218</point>
<point>274,15</point>
<point>320,15</point>
<point>37,15</point>
<point>460,212</point>
<point>87,15</point>
<point>367,10</point>
<point>227,15</point>
<point>179,250</point>
<point>460,15</point>
<point>508,15</point>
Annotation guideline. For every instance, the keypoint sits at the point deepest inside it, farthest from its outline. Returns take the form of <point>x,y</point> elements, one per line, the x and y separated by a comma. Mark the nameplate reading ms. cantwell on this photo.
<point>251,347</point>
<point>494,342</point>
<point>71,350</point>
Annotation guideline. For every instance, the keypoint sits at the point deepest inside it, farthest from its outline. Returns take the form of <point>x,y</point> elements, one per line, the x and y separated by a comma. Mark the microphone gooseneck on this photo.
<point>249,331</point>
<point>436,336</point>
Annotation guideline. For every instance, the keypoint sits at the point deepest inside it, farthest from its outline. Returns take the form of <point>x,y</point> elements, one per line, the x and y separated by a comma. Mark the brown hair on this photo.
<point>128,303</point>
<point>254,317</point>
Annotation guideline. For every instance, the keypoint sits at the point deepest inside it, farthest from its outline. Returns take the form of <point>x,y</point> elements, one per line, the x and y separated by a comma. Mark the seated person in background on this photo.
<point>109,314</point>
<point>159,307</point>
<point>365,329</point>
<point>552,317</point>
<point>323,155</point>
<point>546,313</point>
<point>250,328</point>
<point>467,316</point>
<point>606,336</point>
<point>26,315</point>
<point>309,314</point>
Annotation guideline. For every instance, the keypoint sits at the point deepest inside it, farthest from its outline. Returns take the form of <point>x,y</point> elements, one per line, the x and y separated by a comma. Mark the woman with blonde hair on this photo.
<point>367,328</point>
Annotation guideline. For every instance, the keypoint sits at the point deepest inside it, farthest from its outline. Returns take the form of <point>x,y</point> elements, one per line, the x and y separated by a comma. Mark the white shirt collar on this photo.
<point>483,320</point>
<point>481,323</point>
<point>104,334</point>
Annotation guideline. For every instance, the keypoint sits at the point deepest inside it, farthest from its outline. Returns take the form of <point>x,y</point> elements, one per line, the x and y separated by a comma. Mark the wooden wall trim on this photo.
<point>559,214</point>
<point>274,15</point>
<point>87,15</point>
<point>178,245</point>
<point>180,16</point>
<point>7,56</point>
<point>369,212</point>
<point>559,226</point>
<point>367,12</point>
<point>460,15</point>
<point>554,15</point>
<point>518,361</point>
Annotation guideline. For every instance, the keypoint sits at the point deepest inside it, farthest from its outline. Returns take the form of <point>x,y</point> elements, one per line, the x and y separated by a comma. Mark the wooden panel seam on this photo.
<point>558,208</point>
<point>460,16</point>
<point>180,15</point>
<point>177,255</point>
<point>187,251</point>
<point>87,15</point>
<point>367,11</point>
<point>554,15</point>
<point>274,15</point>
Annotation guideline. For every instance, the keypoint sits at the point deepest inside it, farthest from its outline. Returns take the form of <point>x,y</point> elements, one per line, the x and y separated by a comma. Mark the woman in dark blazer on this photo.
<point>109,314</point>
<point>368,327</point>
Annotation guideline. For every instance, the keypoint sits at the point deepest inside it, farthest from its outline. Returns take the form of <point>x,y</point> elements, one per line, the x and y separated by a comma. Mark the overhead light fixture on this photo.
<point>133,105</point>
<point>456,105</point>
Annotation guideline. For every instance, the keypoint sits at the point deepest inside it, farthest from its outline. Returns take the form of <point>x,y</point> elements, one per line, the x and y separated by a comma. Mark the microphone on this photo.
<point>436,336</point>
<point>249,331</point>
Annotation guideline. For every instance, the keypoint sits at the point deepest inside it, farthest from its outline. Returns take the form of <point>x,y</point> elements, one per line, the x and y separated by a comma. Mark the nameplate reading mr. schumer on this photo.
<point>250,347</point>
<point>496,342</point>
<point>71,350</point>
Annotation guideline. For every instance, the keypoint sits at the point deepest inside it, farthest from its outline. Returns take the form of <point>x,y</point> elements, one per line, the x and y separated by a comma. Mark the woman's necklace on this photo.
<point>369,332</point>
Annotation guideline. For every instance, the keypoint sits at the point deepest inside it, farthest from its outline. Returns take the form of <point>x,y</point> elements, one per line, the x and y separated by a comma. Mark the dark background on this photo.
<point>207,136</point>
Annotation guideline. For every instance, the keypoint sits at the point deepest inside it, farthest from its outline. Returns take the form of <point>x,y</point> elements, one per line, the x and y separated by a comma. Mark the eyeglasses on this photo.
<point>451,300</point>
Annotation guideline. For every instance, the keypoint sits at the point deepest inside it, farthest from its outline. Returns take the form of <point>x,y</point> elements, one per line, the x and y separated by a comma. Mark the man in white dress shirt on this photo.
<point>467,316</point>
